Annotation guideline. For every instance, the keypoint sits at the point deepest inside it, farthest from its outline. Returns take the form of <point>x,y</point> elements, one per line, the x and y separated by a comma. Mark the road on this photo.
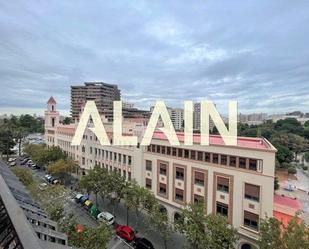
<point>138,223</point>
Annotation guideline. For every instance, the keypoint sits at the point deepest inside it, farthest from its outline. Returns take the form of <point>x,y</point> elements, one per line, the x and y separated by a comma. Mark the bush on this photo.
<point>292,170</point>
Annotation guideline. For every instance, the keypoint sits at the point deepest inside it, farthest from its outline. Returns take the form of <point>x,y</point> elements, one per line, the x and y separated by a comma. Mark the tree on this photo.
<point>205,232</point>
<point>276,183</point>
<point>67,120</point>
<point>192,224</point>
<point>273,234</point>
<point>219,233</point>
<point>6,141</point>
<point>96,238</point>
<point>158,221</point>
<point>61,168</point>
<point>56,212</point>
<point>24,175</point>
<point>270,234</point>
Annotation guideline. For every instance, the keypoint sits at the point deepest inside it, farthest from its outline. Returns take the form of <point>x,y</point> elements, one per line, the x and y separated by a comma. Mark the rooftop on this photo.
<point>242,142</point>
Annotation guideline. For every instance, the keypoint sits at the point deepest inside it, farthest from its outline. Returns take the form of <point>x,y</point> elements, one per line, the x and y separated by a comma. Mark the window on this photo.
<point>179,173</point>
<point>198,198</point>
<point>207,157</point>
<point>124,161</point>
<point>83,148</point>
<point>222,209</point>
<point>180,152</point>
<point>186,155</point>
<point>215,158</point>
<point>129,176</point>
<point>251,220</point>
<point>129,160</point>
<point>232,161</point>
<point>158,149</point>
<point>119,158</point>
<point>124,173</point>
<point>242,162</point>
<point>83,161</point>
<point>252,164</point>
<point>174,152</point>
<point>168,150</point>
<point>153,148</point>
<point>179,194</point>
<point>163,169</point>
<point>252,192</point>
<point>149,148</point>
<point>148,183</point>
<point>148,165</point>
<point>162,189</point>
<point>163,150</point>
<point>223,160</point>
<point>223,184</point>
<point>199,178</point>
<point>193,154</point>
<point>200,155</point>
<point>90,149</point>
<point>115,156</point>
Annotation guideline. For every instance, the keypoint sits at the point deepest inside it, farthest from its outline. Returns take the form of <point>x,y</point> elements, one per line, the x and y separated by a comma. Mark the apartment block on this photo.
<point>102,93</point>
<point>234,181</point>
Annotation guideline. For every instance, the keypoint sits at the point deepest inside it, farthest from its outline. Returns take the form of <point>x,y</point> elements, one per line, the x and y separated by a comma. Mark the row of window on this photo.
<point>252,192</point>
<point>109,155</point>
<point>225,160</point>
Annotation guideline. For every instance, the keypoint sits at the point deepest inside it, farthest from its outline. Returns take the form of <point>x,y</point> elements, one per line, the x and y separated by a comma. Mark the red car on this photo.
<point>125,232</point>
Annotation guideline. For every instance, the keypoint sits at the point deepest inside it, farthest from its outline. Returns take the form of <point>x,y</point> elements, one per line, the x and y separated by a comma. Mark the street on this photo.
<point>138,223</point>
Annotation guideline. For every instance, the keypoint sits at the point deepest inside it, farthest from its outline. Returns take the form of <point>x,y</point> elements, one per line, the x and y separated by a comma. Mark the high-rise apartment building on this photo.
<point>177,116</point>
<point>197,118</point>
<point>102,93</point>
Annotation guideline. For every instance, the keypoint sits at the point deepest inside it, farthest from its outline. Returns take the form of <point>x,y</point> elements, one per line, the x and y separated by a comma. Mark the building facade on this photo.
<point>235,181</point>
<point>102,93</point>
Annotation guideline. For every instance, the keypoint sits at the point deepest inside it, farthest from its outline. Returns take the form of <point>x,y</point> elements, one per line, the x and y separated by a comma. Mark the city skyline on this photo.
<point>254,53</point>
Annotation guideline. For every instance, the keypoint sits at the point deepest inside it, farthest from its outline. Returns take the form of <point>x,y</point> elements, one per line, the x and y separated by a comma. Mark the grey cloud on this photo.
<point>254,52</point>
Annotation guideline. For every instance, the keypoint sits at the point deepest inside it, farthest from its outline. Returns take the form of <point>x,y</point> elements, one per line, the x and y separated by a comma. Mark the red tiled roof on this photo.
<point>284,218</point>
<point>245,142</point>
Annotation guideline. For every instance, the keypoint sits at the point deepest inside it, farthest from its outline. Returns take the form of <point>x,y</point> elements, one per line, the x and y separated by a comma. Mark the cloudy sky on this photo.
<point>255,52</point>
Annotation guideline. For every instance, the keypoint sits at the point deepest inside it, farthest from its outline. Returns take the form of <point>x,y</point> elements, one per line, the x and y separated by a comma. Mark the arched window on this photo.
<point>163,209</point>
<point>177,217</point>
<point>246,246</point>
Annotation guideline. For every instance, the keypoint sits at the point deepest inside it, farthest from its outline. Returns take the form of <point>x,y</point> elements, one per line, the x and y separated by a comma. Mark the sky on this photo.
<point>255,52</point>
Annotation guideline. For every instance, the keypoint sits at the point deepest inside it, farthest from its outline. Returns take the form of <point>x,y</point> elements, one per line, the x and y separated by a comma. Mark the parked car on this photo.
<point>55,181</point>
<point>23,162</point>
<point>43,186</point>
<point>107,217</point>
<point>13,163</point>
<point>125,232</point>
<point>11,159</point>
<point>78,197</point>
<point>88,204</point>
<point>84,198</point>
<point>50,179</point>
<point>142,243</point>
